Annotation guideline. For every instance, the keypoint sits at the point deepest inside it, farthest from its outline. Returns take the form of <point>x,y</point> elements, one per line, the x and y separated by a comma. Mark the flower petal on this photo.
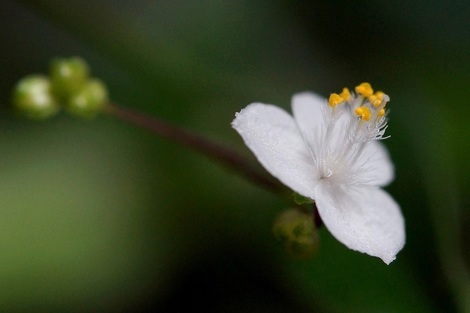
<point>274,138</point>
<point>308,109</point>
<point>364,219</point>
<point>314,116</point>
<point>379,169</point>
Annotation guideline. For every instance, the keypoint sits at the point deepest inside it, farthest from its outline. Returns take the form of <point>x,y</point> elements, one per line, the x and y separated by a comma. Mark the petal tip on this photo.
<point>275,139</point>
<point>245,114</point>
<point>389,259</point>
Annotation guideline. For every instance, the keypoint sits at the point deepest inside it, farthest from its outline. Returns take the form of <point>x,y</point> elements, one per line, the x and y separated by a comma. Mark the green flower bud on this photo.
<point>33,98</point>
<point>296,230</point>
<point>68,76</point>
<point>299,199</point>
<point>89,100</point>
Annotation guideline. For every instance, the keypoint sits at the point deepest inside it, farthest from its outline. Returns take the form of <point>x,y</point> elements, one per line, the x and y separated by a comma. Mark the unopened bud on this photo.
<point>68,76</point>
<point>296,230</point>
<point>89,100</point>
<point>33,98</point>
<point>299,199</point>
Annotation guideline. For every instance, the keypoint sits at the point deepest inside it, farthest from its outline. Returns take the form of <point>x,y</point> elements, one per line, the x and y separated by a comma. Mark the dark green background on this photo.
<point>99,216</point>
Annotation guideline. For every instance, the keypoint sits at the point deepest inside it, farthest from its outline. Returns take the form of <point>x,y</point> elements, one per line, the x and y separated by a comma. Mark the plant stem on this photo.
<point>226,156</point>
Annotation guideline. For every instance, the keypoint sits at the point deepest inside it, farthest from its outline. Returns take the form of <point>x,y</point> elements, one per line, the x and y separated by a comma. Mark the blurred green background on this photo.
<point>99,216</point>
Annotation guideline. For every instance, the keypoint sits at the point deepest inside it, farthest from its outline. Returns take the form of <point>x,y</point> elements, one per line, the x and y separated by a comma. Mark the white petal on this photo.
<point>307,108</point>
<point>379,169</point>
<point>274,138</point>
<point>364,219</point>
<point>313,116</point>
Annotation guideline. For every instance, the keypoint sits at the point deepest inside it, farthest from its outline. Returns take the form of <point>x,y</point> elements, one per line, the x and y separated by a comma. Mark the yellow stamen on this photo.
<point>335,99</point>
<point>377,98</point>
<point>379,95</point>
<point>363,112</point>
<point>377,103</point>
<point>382,112</point>
<point>345,94</point>
<point>365,89</point>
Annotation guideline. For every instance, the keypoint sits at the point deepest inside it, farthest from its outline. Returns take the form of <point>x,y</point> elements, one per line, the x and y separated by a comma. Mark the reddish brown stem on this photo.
<point>224,155</point>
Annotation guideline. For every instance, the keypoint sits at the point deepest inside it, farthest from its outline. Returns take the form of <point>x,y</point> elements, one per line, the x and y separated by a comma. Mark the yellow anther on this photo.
<point>335,99</point>
<point>345,94</point>
<point>365,89</point>
<point>363,112</point>
<point>379,95</point>
<point>377,98</point>
<point>382,112</point>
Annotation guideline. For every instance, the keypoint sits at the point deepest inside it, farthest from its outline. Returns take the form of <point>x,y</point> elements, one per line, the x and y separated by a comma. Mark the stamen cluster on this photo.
<point>368,107</point>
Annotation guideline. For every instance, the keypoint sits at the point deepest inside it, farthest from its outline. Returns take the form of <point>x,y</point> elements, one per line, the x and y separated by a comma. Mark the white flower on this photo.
<point>329,151</point>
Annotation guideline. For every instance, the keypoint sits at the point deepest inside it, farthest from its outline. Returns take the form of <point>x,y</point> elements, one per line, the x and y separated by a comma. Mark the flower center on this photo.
<point>352,121</point>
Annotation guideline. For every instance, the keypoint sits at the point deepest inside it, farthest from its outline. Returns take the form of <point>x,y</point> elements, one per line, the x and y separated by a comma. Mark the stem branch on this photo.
<point>228,157</point>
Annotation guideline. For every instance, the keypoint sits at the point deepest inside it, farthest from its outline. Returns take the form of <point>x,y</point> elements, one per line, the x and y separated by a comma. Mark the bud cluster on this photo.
<point>68,86</point>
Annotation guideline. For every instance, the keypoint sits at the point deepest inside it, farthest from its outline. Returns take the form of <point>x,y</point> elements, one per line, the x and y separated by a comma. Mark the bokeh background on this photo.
<point>100,216</point>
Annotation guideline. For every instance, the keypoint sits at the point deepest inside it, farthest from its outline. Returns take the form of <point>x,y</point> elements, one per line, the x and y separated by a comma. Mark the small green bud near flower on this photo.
<point>33,98</point>
<point>68,76</point>
<point>89,100</point>
<point>299,199</point>
<point>296,230</point>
